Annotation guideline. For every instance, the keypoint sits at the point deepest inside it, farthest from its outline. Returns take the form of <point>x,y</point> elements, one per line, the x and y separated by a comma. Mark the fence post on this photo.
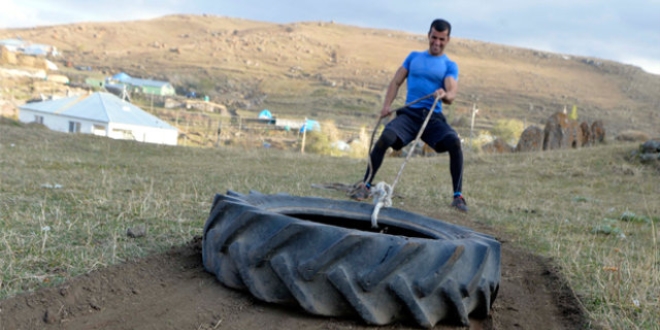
<point>474,114</point>
<point>302,147</point>
<point>218,132</point>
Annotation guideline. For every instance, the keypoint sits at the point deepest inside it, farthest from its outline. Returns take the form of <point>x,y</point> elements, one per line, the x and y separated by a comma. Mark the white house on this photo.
<point>101,114</point>
<point>28,48</point>
<point>13,45</point>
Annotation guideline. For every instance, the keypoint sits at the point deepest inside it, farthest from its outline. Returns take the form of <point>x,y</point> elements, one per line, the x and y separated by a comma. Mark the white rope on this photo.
<point>373,134</point>
<point>383,192</point>
<point>382,195</point>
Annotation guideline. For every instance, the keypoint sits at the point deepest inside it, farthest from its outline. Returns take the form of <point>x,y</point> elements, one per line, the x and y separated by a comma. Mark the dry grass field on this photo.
<point>67,202</point>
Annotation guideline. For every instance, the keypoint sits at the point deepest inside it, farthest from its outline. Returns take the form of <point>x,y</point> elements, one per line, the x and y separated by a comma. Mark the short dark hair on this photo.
<point>440,25</point>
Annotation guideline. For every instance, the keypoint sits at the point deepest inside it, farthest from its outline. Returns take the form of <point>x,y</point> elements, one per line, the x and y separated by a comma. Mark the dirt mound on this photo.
<point>172,291</point>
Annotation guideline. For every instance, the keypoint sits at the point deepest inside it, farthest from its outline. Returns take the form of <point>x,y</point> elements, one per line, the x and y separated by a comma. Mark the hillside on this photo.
<point>326,70</point>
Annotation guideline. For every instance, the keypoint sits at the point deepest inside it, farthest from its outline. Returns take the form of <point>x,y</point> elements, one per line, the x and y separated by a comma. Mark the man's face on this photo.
<point>438,41</point>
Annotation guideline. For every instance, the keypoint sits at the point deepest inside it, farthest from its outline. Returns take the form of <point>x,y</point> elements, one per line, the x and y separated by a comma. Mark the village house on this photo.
<point>19,45</point>
<point>141,86</point>
<point>100,114</point>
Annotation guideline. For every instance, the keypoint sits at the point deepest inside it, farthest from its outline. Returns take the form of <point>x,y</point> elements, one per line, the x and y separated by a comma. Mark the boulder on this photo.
<point>587,135</point>
<point>633,136</point>
<point>598,131</point>
<point>649,152</point>
<point>561,132</point>
<point>651,146</point>
<point>531,139</point>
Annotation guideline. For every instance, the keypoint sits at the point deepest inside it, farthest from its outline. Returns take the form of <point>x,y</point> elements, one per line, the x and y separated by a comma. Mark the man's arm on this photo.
<point>392,90</point>
<point>448,94</point>
<point>451,89</point>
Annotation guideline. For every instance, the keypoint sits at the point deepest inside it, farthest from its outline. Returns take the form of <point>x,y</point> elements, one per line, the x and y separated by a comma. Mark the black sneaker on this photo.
<point>459,204</point>
<point>360,192</point>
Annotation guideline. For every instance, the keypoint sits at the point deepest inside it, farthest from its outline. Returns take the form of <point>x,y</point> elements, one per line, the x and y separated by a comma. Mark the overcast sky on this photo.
<point>622,31</point>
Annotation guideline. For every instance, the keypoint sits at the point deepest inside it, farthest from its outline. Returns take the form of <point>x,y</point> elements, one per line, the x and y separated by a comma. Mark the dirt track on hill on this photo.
<point>172,291</point>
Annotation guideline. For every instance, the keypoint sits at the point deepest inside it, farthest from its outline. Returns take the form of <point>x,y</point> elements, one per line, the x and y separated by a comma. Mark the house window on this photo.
<point>38,119</point>
<point>98,130</point>
<point>123,134</point>
<point>74,127</point>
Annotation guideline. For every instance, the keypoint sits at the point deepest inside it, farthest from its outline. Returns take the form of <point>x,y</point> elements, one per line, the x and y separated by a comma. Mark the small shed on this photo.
<point>39,50</point>
<point>95,82</point>
<point>143,86</point>
<point>310,125</point>
<point>58,78</point>
<point>152,87</point>
<point>265,114</point>
<point>121,77</point>
<point>100,114</point>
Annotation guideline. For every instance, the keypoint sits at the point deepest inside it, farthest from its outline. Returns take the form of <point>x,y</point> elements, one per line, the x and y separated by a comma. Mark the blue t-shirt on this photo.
<point>427,73</point>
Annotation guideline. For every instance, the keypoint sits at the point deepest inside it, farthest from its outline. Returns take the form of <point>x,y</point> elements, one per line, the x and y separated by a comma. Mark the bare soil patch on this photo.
<point>171,290</point>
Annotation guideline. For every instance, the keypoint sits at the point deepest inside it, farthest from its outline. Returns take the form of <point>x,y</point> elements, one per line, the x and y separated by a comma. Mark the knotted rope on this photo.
<point>382,193</point>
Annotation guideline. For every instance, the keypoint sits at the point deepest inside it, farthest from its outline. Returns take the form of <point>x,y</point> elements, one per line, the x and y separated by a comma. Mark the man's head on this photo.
<point>439,34</point>
<point>440,25</point>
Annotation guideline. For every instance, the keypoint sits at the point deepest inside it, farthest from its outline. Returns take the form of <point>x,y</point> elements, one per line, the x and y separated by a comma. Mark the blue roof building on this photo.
<point>143,86</point>
<point>101,114</point>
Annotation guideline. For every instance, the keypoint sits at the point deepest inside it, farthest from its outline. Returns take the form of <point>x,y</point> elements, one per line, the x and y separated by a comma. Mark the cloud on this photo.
<point>29,13</point>
<point>15,15</point>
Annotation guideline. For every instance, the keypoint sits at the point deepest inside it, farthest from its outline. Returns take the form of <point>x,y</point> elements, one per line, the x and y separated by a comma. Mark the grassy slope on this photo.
<point>549,202</point>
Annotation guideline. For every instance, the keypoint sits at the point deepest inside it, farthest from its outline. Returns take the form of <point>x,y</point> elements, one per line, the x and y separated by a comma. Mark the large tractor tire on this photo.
<point>322,255</point>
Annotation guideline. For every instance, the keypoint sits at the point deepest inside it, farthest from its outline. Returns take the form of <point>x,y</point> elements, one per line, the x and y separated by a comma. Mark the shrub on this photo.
<point>508,130</point>
<point>317,143</point>
<point>360,146</point>
<point>479,140</point>
<point>320,142</point>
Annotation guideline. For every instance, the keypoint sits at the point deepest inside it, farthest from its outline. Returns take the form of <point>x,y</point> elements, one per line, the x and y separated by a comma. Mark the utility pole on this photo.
<point>124,94</point>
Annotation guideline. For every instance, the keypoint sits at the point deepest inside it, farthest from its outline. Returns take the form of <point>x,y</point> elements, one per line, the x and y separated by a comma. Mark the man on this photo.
<point>427,72</point>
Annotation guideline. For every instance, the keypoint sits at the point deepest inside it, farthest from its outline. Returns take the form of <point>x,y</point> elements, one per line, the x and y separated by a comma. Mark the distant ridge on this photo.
<point>324,69</point>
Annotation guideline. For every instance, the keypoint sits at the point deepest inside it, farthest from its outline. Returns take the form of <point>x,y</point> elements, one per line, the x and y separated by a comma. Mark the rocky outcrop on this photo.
<point>587,135</point>
<point>561,132</point>
<point>598,131</point>
<point>648,153</point>
<point>531,139</point>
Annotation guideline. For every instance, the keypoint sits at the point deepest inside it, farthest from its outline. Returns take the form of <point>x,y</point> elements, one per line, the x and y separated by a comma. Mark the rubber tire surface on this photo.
<point>277,248</point>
